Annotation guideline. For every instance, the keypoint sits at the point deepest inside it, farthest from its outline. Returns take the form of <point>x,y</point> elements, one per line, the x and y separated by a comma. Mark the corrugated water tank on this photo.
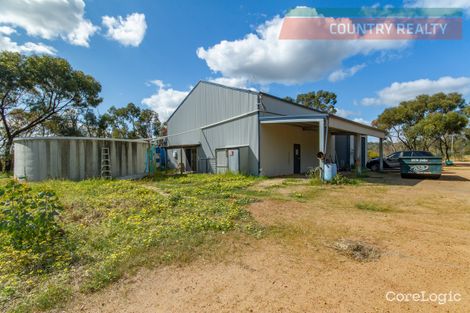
<point>77,158</point>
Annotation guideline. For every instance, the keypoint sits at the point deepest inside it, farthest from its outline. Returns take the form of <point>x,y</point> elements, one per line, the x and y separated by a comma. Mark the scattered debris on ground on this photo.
<point>359,251</point>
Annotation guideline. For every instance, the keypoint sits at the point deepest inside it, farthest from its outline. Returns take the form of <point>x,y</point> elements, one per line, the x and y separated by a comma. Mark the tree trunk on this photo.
<point>7,157</point>
<point>446,150</point>
<point>441,148</point>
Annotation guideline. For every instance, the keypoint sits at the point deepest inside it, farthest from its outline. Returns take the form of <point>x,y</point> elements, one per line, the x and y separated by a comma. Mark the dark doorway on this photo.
<point>343,152</point>
<point>191,159</point>
<point>296,158</point>
<point>363,152</point>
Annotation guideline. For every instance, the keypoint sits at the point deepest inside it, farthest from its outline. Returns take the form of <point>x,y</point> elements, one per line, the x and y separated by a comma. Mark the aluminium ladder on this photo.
<point>105,163</point>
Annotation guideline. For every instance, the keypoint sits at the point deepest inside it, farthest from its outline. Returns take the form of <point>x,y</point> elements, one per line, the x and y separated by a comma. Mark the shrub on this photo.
<point>343,180</point>
<point>337,180</point>
<point>371,154</point>
<point>31,236</point>
<point>314,175</point>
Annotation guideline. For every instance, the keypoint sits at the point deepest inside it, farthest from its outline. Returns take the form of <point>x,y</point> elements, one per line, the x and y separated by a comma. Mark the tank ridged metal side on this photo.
<point>76,158</point>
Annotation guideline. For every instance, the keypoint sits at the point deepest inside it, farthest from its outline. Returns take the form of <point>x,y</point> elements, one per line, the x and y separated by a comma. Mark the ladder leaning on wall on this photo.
<point>105,163</point>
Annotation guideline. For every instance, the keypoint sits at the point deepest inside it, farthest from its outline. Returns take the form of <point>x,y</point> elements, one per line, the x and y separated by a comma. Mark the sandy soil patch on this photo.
<point>424,242</point>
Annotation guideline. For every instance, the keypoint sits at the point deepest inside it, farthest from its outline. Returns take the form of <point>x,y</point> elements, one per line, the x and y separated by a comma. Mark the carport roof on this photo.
<point>344,125</point>
<point>304,121</point>
<point>337,124</point>
<point>292,118</point>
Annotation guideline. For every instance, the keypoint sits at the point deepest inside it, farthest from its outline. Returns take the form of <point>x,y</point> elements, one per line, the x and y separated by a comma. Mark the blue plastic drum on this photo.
<point>329,171</point>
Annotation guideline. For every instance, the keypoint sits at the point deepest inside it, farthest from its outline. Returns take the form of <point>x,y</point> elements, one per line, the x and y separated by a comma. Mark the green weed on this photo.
<point>368,206</point>
<point>105,229</point>
<point>340,179</point>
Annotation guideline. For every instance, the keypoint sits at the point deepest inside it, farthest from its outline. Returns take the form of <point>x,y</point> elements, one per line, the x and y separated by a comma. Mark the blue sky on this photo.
<point>152,52</point>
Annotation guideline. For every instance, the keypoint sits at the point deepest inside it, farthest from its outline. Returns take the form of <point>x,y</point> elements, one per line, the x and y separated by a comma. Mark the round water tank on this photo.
<point>77,158</point>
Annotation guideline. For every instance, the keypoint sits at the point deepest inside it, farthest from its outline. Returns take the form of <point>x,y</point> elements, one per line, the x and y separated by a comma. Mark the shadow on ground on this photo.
<point>448,177</point>
<point>390,178</point>
<point>394,178</point>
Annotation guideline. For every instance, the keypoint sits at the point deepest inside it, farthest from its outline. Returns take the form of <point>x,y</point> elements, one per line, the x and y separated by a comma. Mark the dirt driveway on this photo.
<point>421,229</point>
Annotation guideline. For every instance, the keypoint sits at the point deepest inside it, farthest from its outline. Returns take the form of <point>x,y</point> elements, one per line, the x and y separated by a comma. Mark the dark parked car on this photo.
<point>392,161</point>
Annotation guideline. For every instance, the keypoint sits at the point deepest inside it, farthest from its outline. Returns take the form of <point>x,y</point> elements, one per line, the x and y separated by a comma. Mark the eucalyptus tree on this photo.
<point>427,121</point>
<point>35,89</point>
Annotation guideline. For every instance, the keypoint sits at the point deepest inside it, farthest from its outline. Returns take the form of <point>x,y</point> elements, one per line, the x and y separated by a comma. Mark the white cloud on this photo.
<point>49,19</point>
<point>462,4</point>
<point>129,31</point>
<point>263,58</point>
<point>370,101</point>
<point>231,82</point>
<point>236,83</point>
<point>7,30</point>
<point>458,4</point>
<point>344,113</point>
<point>398,92</point>
<point>165,100</point>
<point>80,35</point>
<point>29,47</point>
<point>345,73</point>
<point>348,114</point>
<point>361,120</point>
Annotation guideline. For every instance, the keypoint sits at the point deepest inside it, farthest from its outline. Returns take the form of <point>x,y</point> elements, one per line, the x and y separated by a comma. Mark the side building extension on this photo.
<point>218,128</point>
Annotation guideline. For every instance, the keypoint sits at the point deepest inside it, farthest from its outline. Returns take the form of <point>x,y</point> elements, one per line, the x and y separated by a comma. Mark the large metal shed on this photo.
<point>280,137</point>
<point>77,158</point>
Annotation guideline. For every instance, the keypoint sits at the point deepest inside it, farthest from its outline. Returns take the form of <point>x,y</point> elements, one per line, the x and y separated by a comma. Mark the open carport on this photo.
<point>305,136</point>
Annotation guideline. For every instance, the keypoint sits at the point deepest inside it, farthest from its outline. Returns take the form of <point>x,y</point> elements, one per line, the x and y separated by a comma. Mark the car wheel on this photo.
<point>375,168</point>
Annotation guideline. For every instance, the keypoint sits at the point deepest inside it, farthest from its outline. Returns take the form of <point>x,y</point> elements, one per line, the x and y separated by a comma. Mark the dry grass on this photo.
<point>463,158</point>
<point>415,232</point>
<point>370,206</point>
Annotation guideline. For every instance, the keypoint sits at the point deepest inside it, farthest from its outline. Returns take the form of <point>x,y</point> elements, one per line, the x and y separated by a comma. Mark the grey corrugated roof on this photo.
<point>237,89</point>
<point>267,95</point>
<point>210,83</point>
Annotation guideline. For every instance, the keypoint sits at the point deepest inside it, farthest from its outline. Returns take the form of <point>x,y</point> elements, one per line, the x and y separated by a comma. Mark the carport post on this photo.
<point>331,147</point>
<point>357,153</point>
<point>381,154</point>
<point>321,132</point>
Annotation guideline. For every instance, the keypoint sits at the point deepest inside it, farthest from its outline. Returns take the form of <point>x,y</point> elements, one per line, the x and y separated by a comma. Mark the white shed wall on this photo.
<point>233,111</point>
